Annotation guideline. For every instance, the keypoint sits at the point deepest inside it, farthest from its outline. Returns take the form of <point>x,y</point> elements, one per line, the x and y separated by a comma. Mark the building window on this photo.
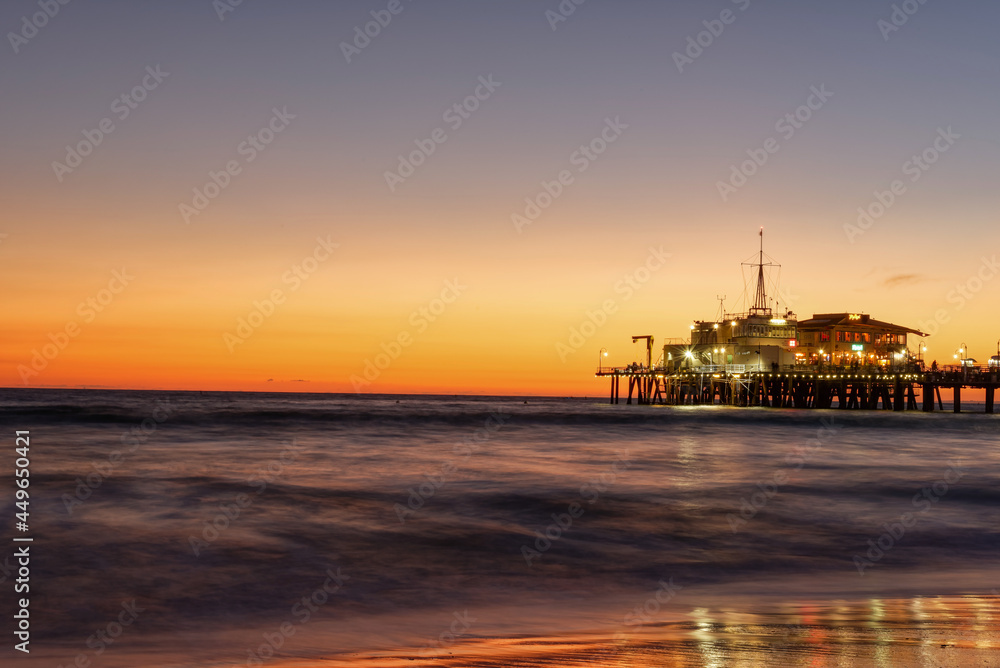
<point>840,337</point>
<point>868,337</point>
<point>824,337</point>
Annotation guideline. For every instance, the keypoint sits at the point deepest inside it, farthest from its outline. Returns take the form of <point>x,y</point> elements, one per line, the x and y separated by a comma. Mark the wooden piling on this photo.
<point>884,391</point>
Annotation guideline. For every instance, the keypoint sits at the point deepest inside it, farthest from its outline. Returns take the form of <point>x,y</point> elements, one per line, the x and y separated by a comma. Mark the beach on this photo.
<point>235,529</point>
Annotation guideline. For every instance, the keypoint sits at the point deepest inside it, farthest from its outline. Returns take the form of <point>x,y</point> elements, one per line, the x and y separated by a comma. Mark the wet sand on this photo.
<point>958,631</point>
<point>935,632</point>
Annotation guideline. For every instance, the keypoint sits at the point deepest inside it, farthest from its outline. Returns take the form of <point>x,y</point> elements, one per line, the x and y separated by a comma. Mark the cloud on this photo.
<point>898,280</point>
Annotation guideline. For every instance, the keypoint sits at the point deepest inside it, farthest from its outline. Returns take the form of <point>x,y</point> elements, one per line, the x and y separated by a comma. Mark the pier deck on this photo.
<point>801,388</point>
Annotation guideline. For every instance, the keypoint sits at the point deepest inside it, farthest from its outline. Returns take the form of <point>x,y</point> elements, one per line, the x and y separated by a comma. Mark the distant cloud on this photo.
<point>903,279</point>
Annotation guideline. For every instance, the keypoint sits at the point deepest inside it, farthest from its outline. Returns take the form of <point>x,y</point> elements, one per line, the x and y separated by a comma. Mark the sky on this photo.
<point>281,202</point>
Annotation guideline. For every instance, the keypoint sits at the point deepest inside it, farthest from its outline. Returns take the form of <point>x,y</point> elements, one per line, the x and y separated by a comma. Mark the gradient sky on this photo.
<point>323,177</point>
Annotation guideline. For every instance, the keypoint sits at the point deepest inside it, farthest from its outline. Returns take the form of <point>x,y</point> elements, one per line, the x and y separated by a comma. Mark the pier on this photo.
<point>766,357</point>
<point>800,388</point>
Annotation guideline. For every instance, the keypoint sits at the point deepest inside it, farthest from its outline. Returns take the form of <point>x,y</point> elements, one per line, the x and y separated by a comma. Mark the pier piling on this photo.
<point>797,388</point>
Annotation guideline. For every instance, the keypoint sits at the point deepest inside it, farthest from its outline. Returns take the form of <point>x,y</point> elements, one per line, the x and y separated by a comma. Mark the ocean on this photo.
<point>243,529</point>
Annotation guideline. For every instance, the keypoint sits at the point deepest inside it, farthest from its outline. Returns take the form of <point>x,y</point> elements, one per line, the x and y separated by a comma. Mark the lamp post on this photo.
<point>963,354</point>
<point>600,355</point>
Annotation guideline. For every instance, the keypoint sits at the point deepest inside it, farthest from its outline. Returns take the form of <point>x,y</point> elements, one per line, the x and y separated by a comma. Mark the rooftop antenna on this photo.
<point>722,309</point>
<point>760,306</point>
<point>760,302</point>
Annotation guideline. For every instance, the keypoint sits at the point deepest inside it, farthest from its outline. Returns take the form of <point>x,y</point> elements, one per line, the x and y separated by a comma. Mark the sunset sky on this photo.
<point>354,259</point>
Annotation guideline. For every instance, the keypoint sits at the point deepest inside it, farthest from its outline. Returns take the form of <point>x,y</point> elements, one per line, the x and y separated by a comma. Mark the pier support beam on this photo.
<point>896,393</point>
<point>990,392</point>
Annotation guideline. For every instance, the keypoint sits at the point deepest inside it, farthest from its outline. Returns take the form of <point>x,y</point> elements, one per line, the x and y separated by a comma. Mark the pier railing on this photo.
<point>949,372</point>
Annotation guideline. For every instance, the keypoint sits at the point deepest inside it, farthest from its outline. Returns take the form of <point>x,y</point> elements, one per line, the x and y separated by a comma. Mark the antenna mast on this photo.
<point>760,301</point>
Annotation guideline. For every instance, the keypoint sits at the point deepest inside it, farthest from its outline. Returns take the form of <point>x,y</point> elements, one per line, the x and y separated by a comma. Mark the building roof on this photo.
<point>822,321</point>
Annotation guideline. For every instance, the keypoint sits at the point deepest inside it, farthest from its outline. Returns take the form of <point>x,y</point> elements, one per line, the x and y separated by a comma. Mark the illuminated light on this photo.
<point>734,323</point>
<point>854,316</point>
<point>715,326</point>
<point>778,321</point>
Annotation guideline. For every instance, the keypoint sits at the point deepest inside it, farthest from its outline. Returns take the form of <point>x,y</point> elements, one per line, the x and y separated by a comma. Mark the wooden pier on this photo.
<point>800,388</point>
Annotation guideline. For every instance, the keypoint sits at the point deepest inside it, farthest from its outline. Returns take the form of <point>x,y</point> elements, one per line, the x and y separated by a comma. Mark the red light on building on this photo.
<point>792,343</point>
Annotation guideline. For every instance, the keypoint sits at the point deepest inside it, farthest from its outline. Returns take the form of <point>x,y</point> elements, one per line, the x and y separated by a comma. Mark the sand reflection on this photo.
<point>953,631</point>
